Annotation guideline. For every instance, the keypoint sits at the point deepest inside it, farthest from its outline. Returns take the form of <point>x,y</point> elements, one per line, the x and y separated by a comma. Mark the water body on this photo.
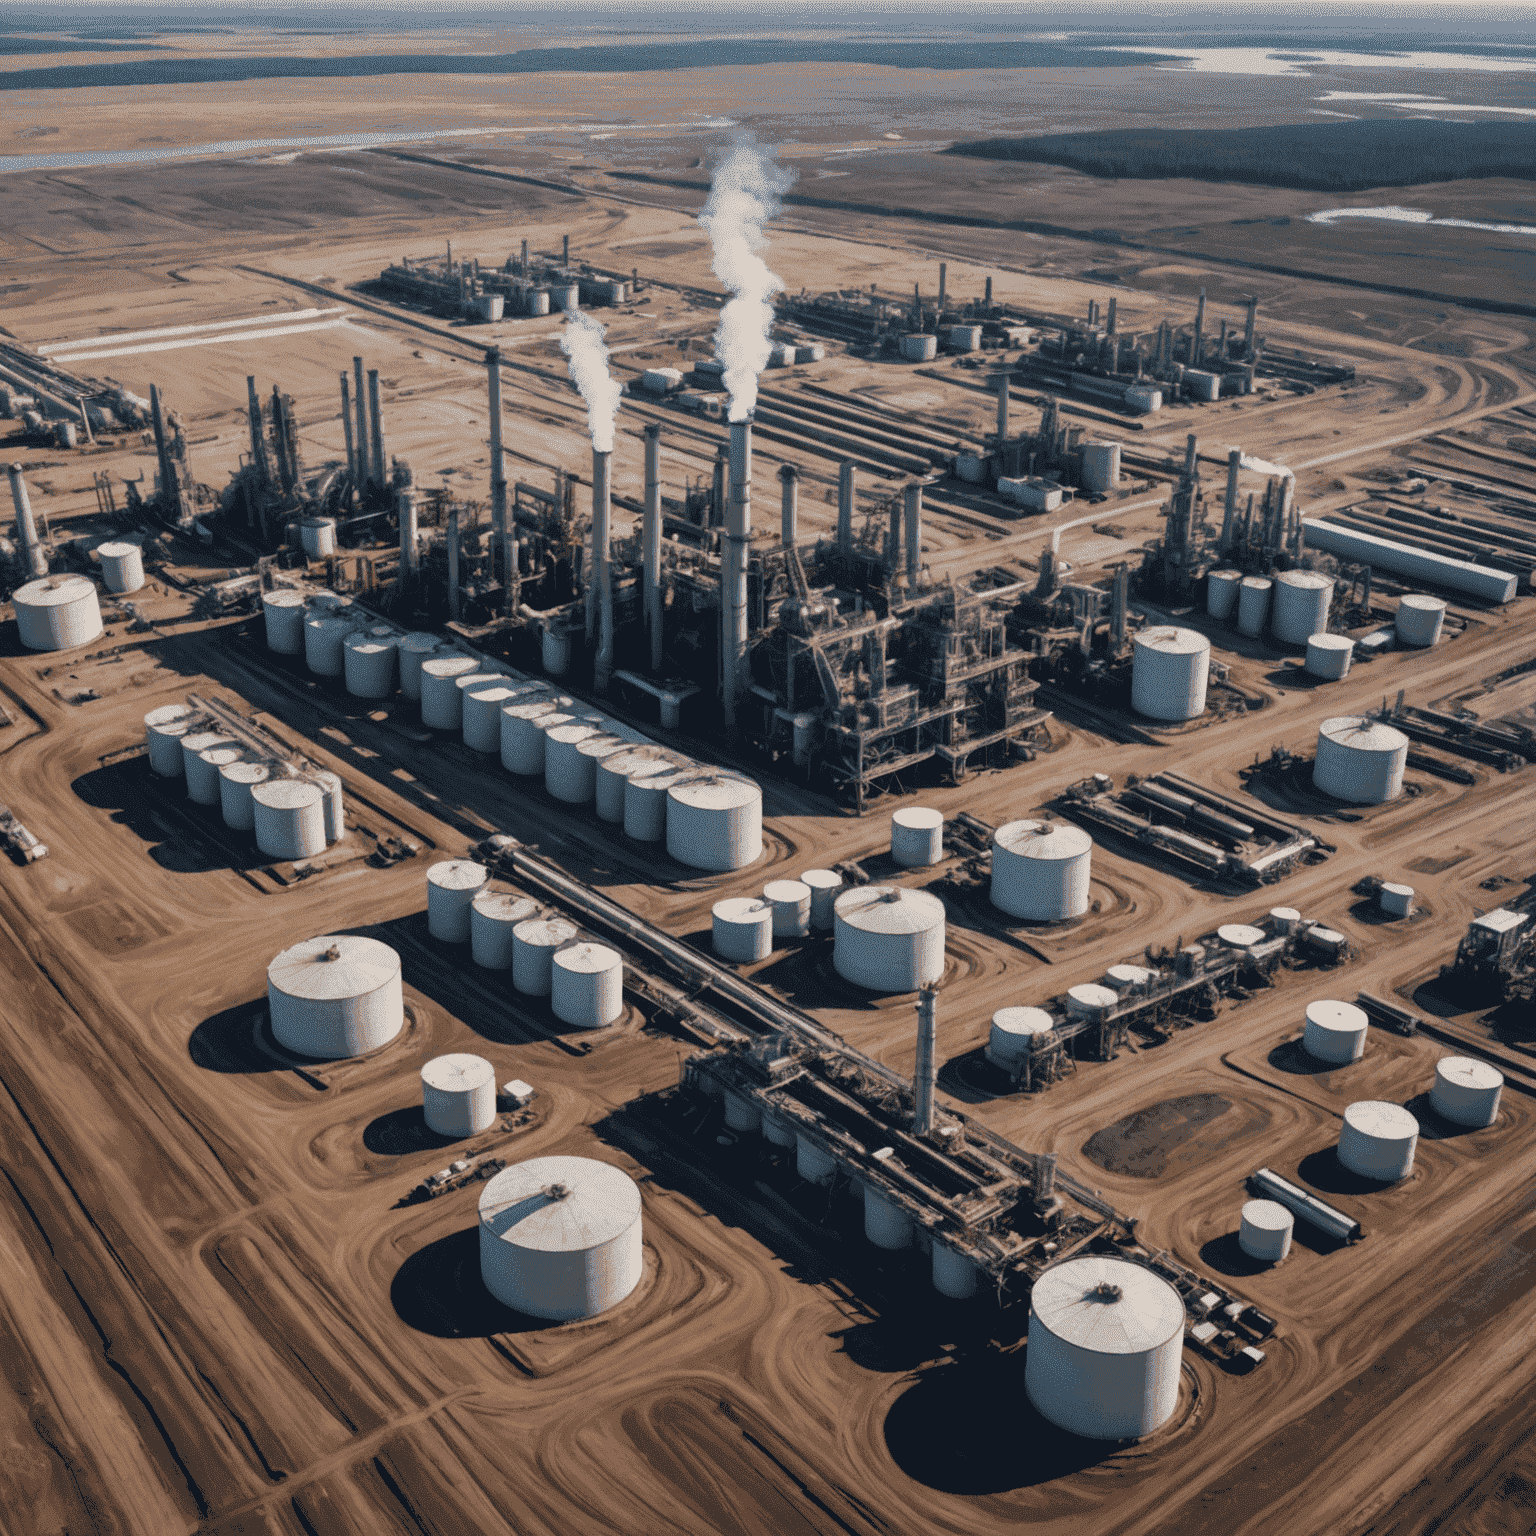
<point>1415,216</point>
<point>1266,61</point>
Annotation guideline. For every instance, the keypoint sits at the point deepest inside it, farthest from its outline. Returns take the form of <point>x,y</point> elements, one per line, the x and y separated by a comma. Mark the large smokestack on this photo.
<point>1253,313</point>
<point>365,474</point>
<point>1229,513</point>
<point>26,526</point>
<point>923,1079</point>
<point>845,478</point>
<point>406,507</point>
<point>988,300</point>
<point>1191,457</point>
<point>258,437</point>
<point>601,576</point>
<point>789,513</point>
<point>346,428</point>
<point>1199,336</point>
<point>453,563</point>
<point>498,464</point>
<point>651,540</point>
<point>1002,411</point>
<point>943,282</point>
<point>157,417</point>
<point>380,463</point>
<point>1109,325</point>
<point>733,569</point>
<point>912,500</point>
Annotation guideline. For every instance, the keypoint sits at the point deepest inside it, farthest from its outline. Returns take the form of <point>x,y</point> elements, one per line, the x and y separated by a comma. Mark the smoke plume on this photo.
<point>1264,467</point>
<point>581,339</point>
<point>743,196</point>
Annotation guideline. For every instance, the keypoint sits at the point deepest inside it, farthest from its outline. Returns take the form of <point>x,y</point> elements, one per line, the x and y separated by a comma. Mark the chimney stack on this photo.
<point>926,1073</point>
<point>845,477</point>
<point>365,475</point>
<point>651,540</point>
<point>26,526</point>
<point>733,569</point>
<point>600,576</point>
<point>789,515</point>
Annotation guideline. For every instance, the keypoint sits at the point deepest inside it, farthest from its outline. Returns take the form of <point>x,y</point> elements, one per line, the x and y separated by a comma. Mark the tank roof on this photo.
<point>567,734</point>
<point>287,794</point>
<point>821,879</point>
<point>1268,1215</point>
<point>117,549</point>
<point>1421,600</point>
<point>1468,1073</point>
<point>529,709</point>
<point>200,741</point>
<point>419,640</point>
<point>545,932</point>
<point>1384,1121</point>
<point>284,597</point>
<point>458,1072</point>
<point>1173,640</point>
<point>588,959</point>
<point>1362,735</point>
<point>1042,839</point>
<point>505,906</point>
<point>449,666</point>
<point>559,1204</point>
<point>1326,642</point>
<point>368,643</point>
<point>221,757</point>
<point>493,694</point>
<point>1326,1013</point>
<point>167,713</point>
<point>244,771</point>
<point>52,591</point>
<point>601,745</point>
<point>1306,580</point>
<point>1023,1021</point>
<point>1107,1306</point>
<point>332,967</point>
<point>920,818</point>
<point>786,890</point>
<point>458,874</point>
<point>741,909</point>
<point>715,792</point>
<point>889,909</point>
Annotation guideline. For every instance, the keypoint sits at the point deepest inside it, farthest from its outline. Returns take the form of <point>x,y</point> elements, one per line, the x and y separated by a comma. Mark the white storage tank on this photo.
<point>741,929</point>
<point>122,567</point>
<point>917,837</point>
<point>193,745</point>
<point>1240,935</point>
<point>918,347</point>
<point>535,943</point>
<point>283,613</point>
<point>1466,1091</point>
<point>1360,761</point>
<point>1301,602</point>
<point>613,771</point>
<point>236,781</point>
<point>645,802</point>
<point>886,1225</point>
<point>325,637</point>
<point>493,915</point>
<point>1015,1033</point>
<point>334,996</point>
<point>57,613</point>
<point>452,886</point>
<point>565,296</point>
<point>458,1094</point>
<point>1264,1232</point>
<point>1377,1140</point>
<point>813,1163</point>
<point>1335,1031</point>
<point>482,715</point>
<point>1130,979</point>
<point>317,537</point>
<point>888,939</point>
<point>368,662</point>
<point>587,985</point>
<point>791,904</point>
<point>597,750</point>
<point>1253,604</point>
<point>714,821</point>
<point>522,742</point>
<point>1101,466</point>
<point>1106,1344</point>
<point>1200,385</point>
<point>1221,593</point>
<point>441,702</point>
<point>334,805</point>
<point>954,1274</point>
<point>164,729</point>
<point>962,338</point>
<point>568,776</point>
<point>1169,670</point>
<point>826,885</point>
<point>412,650</point>
<point>203,772</point>
<point>288,816</point>
<point>1283,920</point>
<point>1040,870</point>
<point>1089,1000</point>
<point>1329,656</point>
<point>560,1237</point>
<point>1419,619</point>
<point>1396,900</point>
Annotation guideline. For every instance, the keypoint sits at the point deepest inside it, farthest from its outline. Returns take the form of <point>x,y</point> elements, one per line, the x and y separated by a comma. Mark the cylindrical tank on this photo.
<point>1240,935</point>
<point>334,805</point>
<point>458,1094</point>
<point>778,1131</point>
<point>336,995</point>
<point>568,776</point>
<point>918,347</point>
<point>202,779</point>
<point>57,613</point>
<point>1101,466</point>
<point>1169,669</point>
<point>791,904</point>
<point>564,296</point>
<point>482,715</point>
<point>1301,602</point>
<point>283,612</point>
<point>325,636</point>
<point>493,915</point>
<point>1253,604</point>
<point>555,651</point>
<point>1335,1031</point>
<point>522,742</point>
<point>203,776</point>
<point>1396,900</point>
<point>1089,1000</point>
<point>1377,1140</point>
<point>813,1164</point>
<point>645,802</point>
<point>1265,1230</point>
<point>886,1225</point>
<point>1283,920</point>
<point>954,1274</point>
<point>714,822</point>
<point>236,781</point>
<point>613,771</point>
<point>887,938</point>
<point>538,301</point>
<point>1419,618</point>
<point>1040,870</point>
<point>1329,656</point>
<point>317,537</point>
<point>743,1114</point>
<point>368,662</point>
<point>442,705</point>
<point>164,729</point>
<point>741,928</point>
<point>1221,593</point>
<point>917,837</point>
<point>560,1237</point>
<point>1106,1341</point>
<point>1360,761</point>
<point>826,885</point>
<point>452,886</point>
<point>597,750</point>
<point>535,942</point>
<point>1015,1033</point>
<point>1129,979</point>
<point>587,985</point>
<point>288,816</point>
<point>122,567</point>
<point>413,650</point>
<point>1466,1091</point>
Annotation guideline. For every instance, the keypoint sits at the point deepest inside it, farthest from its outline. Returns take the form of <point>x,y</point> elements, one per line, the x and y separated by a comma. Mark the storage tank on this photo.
<point>1221,593</point>
<point>587,985</point>
<point>442,705</point>
<point>535,942</point>
<point>886,1225</point>
<point>714,821</point>
<point>1360,761</point>
<point>645,802</point>
<point>333,805</point>
<point>1419,618</point>
<point>826,885</point>
<point>1040,870</point>
<point>1301,602</point>
<point>1377,1140</point>
<point>1265,1230</point>
<point>1106,1342</point>
<point>452,886</point>
<point>954,1274</point>
<point>1089,1000</point>
<point>412,650</point>
<point>1253,604</point>
<point>1101,466</point>
<point>962,338</point>
<point>1283,920</point>
<point>613,771</point>
<point>564,296</point>
<point>368,662</point>
<point>568,776</point>
<point>741,929</point>
<point>288,816</point>
<point>1396,900</point>
<point>522,742</point>
<point>202,780</point>
<point>538,301</point>
<point>599,748</point>
<point>812,1163</point>
<point>325,636</point>
<point>57,613</point>
<point>1335,1032</point>
<point>1169,669</point>
<point>917,837</point>
<point>317,537</point>
<point>122,567</point>
<point>791,904</point>
<point>888,939</point>
<point>336,995</point>
<point>236,781</point>
<point>1329,656</point>
<point>203,772</point>
<point>1240,935</point>
<point>482,715</point>
<point>458,1094</point>
<point>493,915</point>
<point>1015,1033</point>
<point>1466,1091</point>
<point>778,1130</point>
<point>164,729</point>
<point>1129,979</point>
<point>560,1237</point>
<point>743,1115</point>
<point>919,348</point>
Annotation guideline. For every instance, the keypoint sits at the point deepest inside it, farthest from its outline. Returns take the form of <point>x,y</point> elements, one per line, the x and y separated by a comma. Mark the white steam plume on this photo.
<point>743,196</point>
<point>581,339</point>
<point>1264,467</point>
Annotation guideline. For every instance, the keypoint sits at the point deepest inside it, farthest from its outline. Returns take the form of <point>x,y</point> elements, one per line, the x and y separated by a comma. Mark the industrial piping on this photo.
<point>26,526</point>
<point>651,540</point>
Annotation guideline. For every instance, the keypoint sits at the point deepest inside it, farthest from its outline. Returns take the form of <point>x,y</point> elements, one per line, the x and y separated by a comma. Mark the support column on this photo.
<point>845,488</point>
<point>651,541</point>
<point>789,512</point>
<point>26,526</point>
